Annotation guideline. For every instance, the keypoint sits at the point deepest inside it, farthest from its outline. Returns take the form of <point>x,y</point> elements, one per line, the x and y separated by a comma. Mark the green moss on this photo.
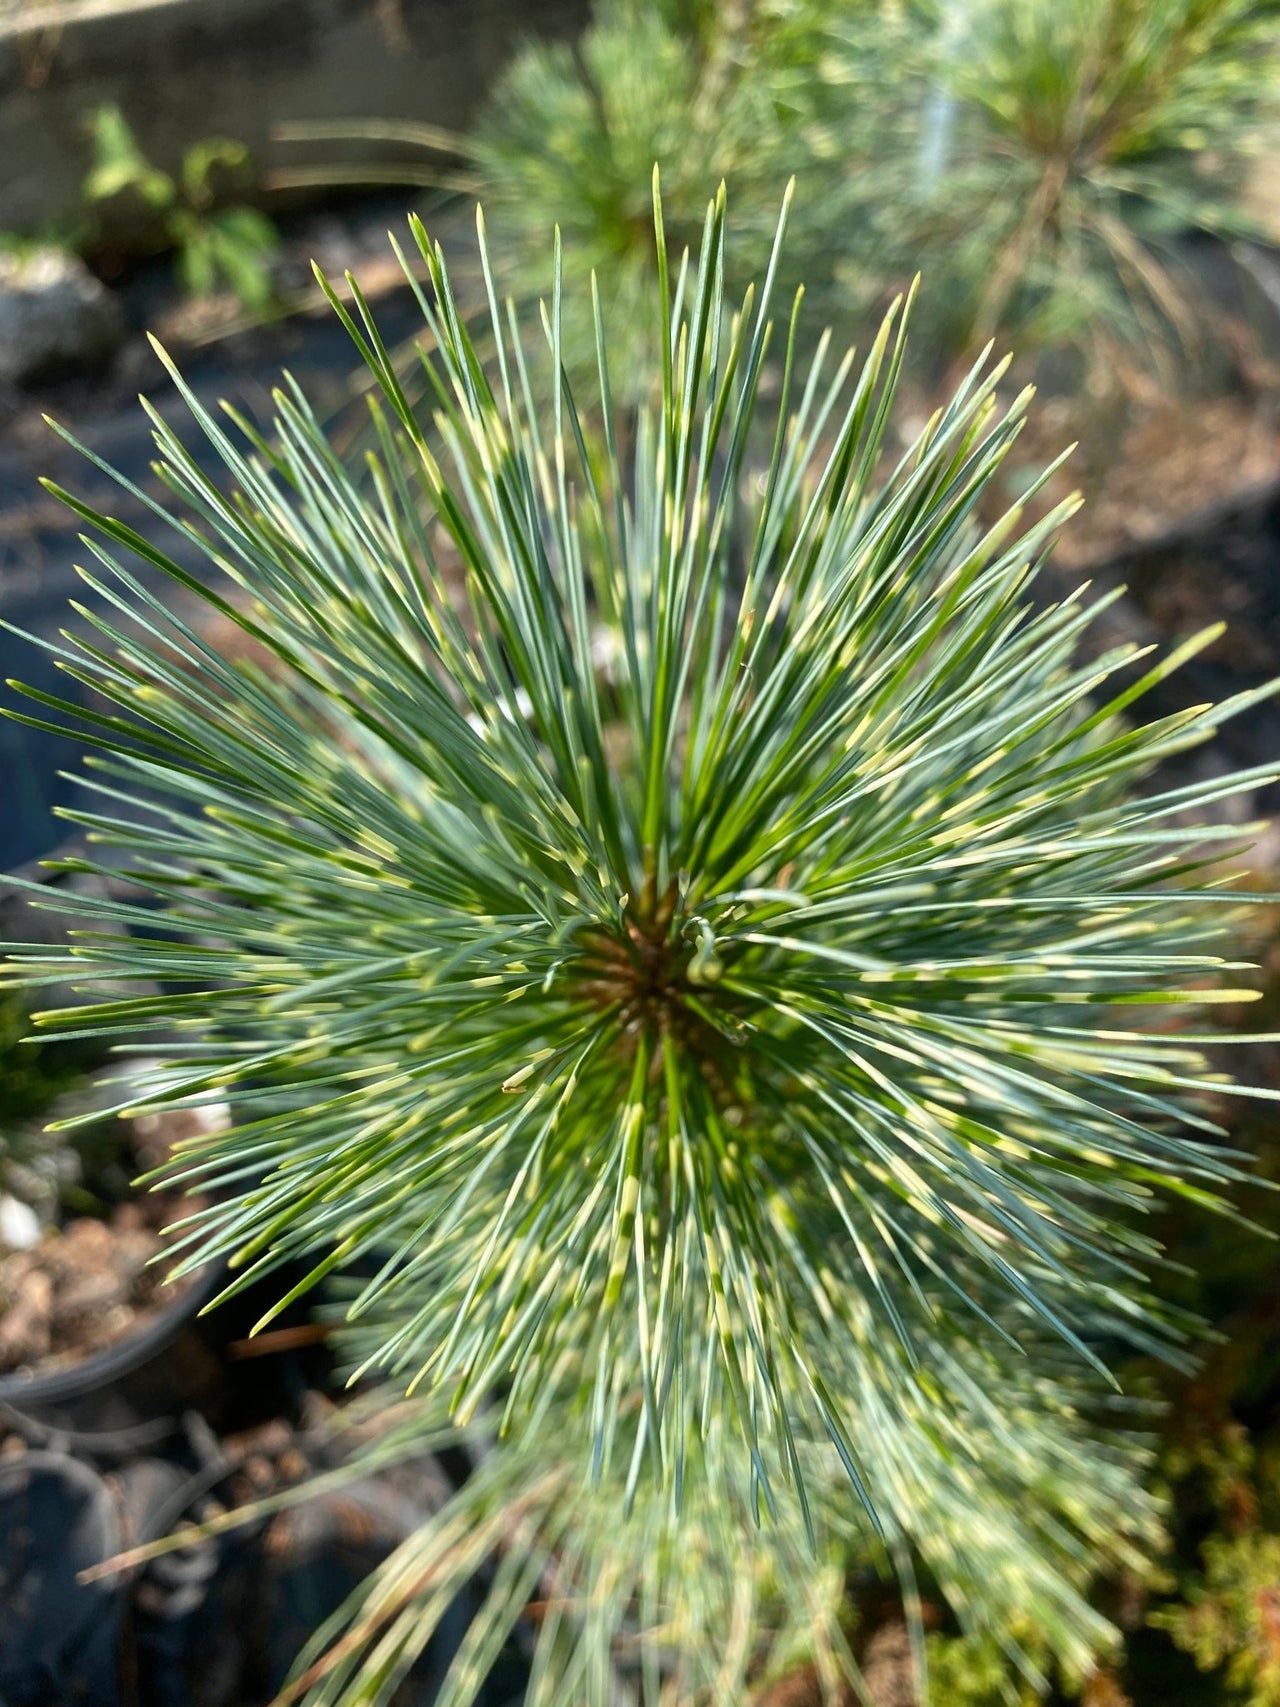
<point>31,1074</point>
<point>976,1671</point>
<point>1231,1616</point>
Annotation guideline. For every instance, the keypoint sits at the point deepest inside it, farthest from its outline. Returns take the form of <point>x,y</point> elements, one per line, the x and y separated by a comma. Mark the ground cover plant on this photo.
<point>215,245</point>
<point>680,938</point>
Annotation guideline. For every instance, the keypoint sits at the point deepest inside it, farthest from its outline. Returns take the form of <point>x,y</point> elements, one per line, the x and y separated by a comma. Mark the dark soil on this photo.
<point>1143,480</point>
<point>80,1289</point>
<point>95,1280</point>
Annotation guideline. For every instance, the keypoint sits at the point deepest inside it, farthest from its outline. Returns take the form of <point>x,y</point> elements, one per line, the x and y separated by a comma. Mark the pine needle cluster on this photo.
<point>679,936</point>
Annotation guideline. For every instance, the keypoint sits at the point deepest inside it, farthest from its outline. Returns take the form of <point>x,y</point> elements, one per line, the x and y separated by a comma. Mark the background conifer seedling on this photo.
<point>679,937</point>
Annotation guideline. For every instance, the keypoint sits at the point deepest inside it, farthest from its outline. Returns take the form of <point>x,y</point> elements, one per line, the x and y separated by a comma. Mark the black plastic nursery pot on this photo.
<point>58,1637</point>
<point>164,1366</point>
<point>163,1369</point>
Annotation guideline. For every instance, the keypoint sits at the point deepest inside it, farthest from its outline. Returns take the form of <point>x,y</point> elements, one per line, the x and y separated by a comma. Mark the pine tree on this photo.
<point>675,928</point>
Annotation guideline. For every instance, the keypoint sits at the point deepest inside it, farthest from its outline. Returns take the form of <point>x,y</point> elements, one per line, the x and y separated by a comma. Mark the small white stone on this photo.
<point>19,1224</point>
<point>213,1116</point>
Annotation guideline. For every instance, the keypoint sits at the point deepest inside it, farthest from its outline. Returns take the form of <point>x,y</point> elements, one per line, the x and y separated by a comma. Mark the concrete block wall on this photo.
<point>182,70</point>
